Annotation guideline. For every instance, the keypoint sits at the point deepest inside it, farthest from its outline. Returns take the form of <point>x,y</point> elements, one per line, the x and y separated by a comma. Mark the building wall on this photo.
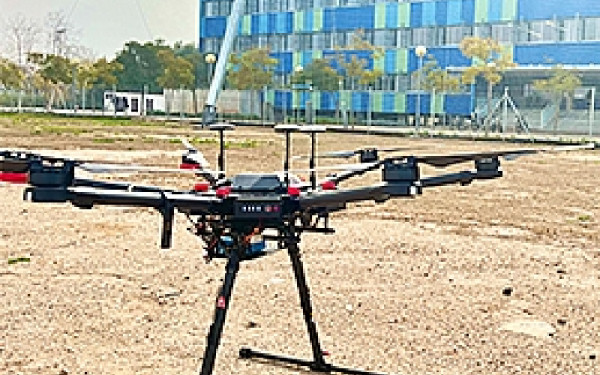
<point>539,32</point>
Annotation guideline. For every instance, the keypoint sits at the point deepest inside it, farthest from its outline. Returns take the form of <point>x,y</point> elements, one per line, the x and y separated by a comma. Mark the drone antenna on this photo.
<point>313,130</point>
<point>287,129</point>
<point>221,128</point>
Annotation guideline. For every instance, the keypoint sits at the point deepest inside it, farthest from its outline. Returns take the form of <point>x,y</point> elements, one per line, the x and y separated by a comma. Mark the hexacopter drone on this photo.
<point>236,217</point>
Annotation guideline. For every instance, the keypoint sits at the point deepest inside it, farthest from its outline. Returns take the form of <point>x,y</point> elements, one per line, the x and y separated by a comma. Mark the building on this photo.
<point>133,103</point>
<point>540,34</point>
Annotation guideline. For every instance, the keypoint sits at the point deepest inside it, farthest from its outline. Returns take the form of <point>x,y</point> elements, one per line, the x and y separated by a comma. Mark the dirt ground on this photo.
<point>500,277</point>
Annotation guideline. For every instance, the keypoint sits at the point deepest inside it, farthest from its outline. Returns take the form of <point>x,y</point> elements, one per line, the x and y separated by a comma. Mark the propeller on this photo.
<point>441,161</point>
<point>366,154</point>
<point>132,168</point>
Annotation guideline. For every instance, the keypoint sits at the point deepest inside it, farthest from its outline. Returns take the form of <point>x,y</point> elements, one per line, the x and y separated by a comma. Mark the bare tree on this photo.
<point>22,37</point>
<point>60,32</point>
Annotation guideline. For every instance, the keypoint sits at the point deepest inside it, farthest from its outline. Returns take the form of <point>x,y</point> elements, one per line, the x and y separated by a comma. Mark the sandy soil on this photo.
<point>441,284</point>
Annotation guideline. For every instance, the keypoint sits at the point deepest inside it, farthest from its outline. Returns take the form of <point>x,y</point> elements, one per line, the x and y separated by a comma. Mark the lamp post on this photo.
<point>340,102</point>
<point>210,59</point>
<point>420,51</point>
<point>284,97</point>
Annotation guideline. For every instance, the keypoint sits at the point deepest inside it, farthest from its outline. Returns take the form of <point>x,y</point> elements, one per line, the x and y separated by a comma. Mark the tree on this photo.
<point>11,75</point>
<point>22,35</point>
<point>560,85</point>
<point>141,65</point>
<point>177,72</point>
<point>354,67</point>
<point>96,73</point>
<point>252,70</point>
<point>55,73</point>
<point>320,73</point>
<point>489,61</point>
<point>200,67</point>
<point>60,33</point>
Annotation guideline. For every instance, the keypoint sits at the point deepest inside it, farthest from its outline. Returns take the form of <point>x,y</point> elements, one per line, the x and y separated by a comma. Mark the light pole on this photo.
<point>420,51</point>
<point>284,98</point>
<point>210,59</point>
<point>340,102</point>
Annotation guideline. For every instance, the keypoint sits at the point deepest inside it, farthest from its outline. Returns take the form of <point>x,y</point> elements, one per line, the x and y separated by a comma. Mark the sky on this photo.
<point>105,25</point>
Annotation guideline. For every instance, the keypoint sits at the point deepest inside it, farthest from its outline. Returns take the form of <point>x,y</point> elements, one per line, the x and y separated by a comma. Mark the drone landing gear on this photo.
<point>318,363</point>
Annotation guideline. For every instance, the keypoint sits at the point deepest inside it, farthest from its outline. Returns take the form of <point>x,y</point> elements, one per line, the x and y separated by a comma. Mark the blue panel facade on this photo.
<point>495,10</point>
<point>416,14</point>
<point>547,9</point>
<point>254,24</point>
<point>360,101</point>
<point>429,13</point>
<point>349,18</point>
<point>468,11</point>
<point>411,103</point>
<point>441,13</point>
<point>272,23</point>
<point>458,104</point>
<point>582,53</point>
<point>214,27</point>
<point>329,100</point>
<point>389,102</point>
<point>283,99</point>
<point>389,63</point>
<point>263,24</point>
<point>391,15</point>
<point>285,62</point>
<point>445,56</point>
<point>308,20</point>
<point>454,12</point>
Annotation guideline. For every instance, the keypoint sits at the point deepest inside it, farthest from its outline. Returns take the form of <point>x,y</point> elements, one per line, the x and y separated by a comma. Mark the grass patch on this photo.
<point>18,260</point>
<point>59,130</point>
<point>585,218</point>
<point>104,140</point>
<point>20,119</point>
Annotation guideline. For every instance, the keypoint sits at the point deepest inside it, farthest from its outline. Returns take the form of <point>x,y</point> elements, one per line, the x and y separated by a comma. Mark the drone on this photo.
<point>237,217</point>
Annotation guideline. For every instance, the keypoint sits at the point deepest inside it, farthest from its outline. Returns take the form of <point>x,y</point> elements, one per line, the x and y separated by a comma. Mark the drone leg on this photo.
<point>216,329</point>
<point>318,364</point>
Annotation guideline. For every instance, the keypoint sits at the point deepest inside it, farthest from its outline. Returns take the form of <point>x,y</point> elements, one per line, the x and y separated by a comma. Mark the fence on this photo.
<point>308,106</point>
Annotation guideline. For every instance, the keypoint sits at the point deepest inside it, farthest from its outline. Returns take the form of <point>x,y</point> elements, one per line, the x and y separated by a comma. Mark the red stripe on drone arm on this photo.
<point>15,178</point>
<point>189,166</point>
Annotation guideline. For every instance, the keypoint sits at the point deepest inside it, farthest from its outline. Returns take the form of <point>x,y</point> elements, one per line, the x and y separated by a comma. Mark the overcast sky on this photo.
<point>105,25</point>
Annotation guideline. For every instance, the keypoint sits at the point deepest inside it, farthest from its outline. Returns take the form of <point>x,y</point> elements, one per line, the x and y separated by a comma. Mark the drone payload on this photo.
<point>234,216</point>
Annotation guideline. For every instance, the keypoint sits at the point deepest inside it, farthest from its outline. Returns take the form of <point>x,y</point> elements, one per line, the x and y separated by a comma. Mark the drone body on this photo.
<point>235,217</point>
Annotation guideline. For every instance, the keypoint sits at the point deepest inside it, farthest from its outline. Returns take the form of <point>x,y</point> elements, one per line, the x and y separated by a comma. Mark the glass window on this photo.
<point>503,33</point>
<point>591,29</point>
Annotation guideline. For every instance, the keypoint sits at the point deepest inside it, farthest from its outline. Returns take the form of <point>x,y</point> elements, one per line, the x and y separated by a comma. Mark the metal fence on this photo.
<point>341,108</point>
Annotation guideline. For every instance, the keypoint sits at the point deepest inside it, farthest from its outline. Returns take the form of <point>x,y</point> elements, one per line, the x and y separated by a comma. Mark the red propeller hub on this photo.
<point>223,192</point>
<point>328,185</point>
<point>293,191</point>
<point>202,187</point>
